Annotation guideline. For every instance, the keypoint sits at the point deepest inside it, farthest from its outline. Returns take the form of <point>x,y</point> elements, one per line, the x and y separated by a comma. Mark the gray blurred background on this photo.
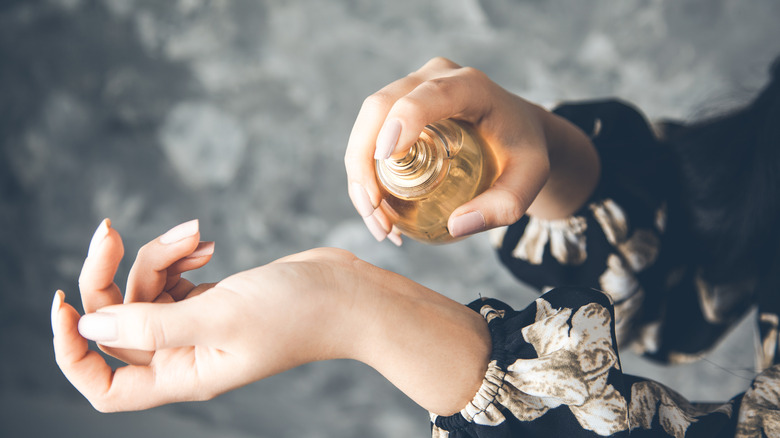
<point>238,112</point>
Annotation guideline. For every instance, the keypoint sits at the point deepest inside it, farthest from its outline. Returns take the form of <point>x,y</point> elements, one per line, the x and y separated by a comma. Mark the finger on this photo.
<point>97,286</point>
<point>362,143</point>
<point>199,289</point>
<point>127,388</point>
<point>96,281</point>
<point>507,200</point>
<point>178,288</point>
<point>152,327</point>
<point>464,93</point>
<point>395,236</point>
<point>148,274</point>
<point>131,357</point>
<point>363,140</point>
<point>196,260</point>
<point>378,224</point>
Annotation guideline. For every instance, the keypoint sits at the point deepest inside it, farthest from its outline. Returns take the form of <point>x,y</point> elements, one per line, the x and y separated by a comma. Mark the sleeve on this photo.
<point>555,371</point>
<point>612,243</point>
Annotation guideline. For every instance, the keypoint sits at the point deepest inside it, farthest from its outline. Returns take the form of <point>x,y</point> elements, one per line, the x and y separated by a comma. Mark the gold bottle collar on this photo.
<point>419,171</point>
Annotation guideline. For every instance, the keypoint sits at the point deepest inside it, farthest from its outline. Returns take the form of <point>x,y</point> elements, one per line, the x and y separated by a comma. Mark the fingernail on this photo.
<point>362,201</point>
<point>395,238</point>
<point>179,232</point>
<point>56,304</point>
<point>387,139</point>
<point>468,223</point>
<point>203,249</point>
<point>376,230</point>
<point>98,327</point>
<point>99,236</point>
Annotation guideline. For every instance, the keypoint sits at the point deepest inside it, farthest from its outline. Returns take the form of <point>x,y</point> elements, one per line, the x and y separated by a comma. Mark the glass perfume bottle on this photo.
<point>447,166</point>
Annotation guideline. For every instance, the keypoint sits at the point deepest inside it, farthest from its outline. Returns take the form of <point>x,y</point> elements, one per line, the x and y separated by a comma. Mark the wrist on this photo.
<point>432,348</point>
<point>575,168</point>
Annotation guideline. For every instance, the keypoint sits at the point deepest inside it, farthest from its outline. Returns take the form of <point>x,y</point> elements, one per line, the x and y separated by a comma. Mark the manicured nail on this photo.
<point>395,238</point>
<point>100,234</point>
<point>387,139</point>
<point>466,224</point>
<point>203,249</point>
<point>56,304</point>
<point>179,232</point>
<point>362,201</point>
<point>375,228</point>
<point>98,327</point>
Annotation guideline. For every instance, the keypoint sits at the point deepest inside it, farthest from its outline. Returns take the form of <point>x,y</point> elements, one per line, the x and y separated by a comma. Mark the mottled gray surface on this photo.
<point>237,113</point>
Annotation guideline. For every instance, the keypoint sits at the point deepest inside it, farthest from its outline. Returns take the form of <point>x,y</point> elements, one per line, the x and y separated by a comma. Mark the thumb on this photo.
<point>146,326</point>
<point>506,201</point>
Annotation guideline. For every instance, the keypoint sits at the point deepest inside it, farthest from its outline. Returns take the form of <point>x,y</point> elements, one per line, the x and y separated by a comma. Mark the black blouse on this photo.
<point>618,276</point>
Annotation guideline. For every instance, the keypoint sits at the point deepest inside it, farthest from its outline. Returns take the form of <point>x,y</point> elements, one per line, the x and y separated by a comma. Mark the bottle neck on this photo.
<point>422,168</point>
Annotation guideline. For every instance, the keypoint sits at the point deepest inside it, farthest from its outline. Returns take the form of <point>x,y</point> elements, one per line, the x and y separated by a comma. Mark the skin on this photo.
<point>547,167</point>
<point>184,342</point>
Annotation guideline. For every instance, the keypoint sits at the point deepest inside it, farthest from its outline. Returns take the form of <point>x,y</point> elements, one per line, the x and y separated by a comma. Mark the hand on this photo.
<point>536,150</point>
<point>193,343</point>
<point>155,277</point>
<point>185,342</point>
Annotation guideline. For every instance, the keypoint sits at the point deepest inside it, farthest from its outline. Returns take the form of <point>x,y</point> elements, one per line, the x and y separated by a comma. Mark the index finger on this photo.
<point>361,146</point>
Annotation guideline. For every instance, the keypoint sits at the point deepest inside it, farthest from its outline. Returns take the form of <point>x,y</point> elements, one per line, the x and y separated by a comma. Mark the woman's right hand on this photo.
<point>536,150</point>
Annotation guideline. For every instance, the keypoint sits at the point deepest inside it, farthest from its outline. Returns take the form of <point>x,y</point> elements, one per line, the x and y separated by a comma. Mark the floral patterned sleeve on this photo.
<point>625,241</point>
<point>555,371</point>
<point>613,241</point>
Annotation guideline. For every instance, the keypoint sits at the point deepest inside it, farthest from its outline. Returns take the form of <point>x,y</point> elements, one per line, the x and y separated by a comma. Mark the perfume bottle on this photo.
<point>448,165</point>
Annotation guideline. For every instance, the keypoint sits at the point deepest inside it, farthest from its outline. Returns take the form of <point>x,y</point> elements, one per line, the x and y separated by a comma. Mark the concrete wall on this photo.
<point>237,113</point>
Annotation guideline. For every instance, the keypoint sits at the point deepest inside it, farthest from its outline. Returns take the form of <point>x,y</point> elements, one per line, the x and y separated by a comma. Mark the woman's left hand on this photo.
<point>184,342</point>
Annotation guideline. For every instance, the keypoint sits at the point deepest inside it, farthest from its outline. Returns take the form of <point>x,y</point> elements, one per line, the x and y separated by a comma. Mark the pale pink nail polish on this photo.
<point>376,230</point>
<point>362,201</point>
<point>387,139</point>
<point>97,238</point>
<point>203,249</point>
<point>98,327</point>
<point>179,232</point>
<point>466,224</point>
<point>56,304</point>
<point>395,238</point>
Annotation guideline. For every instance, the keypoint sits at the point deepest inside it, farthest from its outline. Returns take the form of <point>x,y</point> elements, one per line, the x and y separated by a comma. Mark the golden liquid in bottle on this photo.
<point>449,165</point>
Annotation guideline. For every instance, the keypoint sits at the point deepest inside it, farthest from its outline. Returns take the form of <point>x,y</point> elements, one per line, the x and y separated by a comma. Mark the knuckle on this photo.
<point>102,405</point>
<point>328,254</point>
<point>377,102</point>
<point>143,251</point>
<point>511,208</point>
<point>410,107</point>
<point>152,333</point>
<point>353,157</point>
<point>206,394</point>
<point>473,73</point>
<point>441,62</point>
<point>441,86</point>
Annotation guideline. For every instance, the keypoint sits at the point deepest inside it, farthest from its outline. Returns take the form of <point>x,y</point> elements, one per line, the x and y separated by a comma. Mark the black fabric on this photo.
<point>622,273</point>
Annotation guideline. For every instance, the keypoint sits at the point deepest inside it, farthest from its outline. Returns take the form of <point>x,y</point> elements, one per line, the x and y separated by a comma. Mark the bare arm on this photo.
<point>193,343</point>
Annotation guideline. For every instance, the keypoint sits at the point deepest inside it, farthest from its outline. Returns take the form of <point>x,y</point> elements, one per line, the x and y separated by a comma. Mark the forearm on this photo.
<point>433,349</point>
<point>575,169</point>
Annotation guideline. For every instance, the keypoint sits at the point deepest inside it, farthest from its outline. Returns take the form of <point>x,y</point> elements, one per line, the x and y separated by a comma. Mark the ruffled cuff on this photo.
<point>554,370</point>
